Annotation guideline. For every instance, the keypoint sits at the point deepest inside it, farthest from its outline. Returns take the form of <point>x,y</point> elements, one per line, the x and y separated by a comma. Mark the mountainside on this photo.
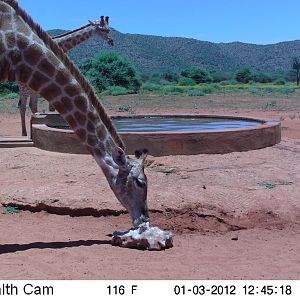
<point>150,54</point>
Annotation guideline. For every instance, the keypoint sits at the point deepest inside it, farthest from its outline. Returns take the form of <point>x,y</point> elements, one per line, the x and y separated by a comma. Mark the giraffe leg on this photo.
<point>33,102</point>
<point>22,107</point>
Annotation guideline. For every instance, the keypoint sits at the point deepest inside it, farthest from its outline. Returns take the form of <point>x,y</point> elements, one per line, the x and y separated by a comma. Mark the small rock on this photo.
<point>184,176</point>
<point>235,238</point>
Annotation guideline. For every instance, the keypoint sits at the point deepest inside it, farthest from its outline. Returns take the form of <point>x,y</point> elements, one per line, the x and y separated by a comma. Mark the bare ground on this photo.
<point>234,216</point>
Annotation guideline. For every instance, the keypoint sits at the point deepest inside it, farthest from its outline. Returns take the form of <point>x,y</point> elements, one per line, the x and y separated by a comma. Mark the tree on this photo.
<point>110,69</point>
<point>243,75</point>
<point>296,67</point>
<point>198,74</point>
<point>170,76</point>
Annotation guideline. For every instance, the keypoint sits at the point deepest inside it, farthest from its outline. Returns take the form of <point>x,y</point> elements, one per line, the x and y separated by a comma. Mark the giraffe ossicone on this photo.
<point>29,56</point>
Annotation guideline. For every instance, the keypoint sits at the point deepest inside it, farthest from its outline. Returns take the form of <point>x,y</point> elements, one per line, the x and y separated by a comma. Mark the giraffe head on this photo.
<point>102,32</point>
<point>131,184</point>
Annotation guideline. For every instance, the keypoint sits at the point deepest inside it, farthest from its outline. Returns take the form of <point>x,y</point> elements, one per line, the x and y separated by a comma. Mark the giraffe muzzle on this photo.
<point>142,219</point>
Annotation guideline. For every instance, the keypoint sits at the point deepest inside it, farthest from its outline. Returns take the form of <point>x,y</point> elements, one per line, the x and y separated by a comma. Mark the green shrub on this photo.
<point>151,87</point>
<point>198,74</point>
<point>6,87</point>
<point>219,77</point>
<point>280,81</point>
<point>12,95</point>
<point>228,82</point>
<point>110,69</point>
<point>262,78</point>
<point>116,90</point>
<point>196,92</point>
<point>269,89</point>
<point>185,81</point>
<point>209,89</point>
<point>173,90</point>
<point>253,91</point>
<point>170,76</point>
<point>243,75</point>
<point>286,90</point>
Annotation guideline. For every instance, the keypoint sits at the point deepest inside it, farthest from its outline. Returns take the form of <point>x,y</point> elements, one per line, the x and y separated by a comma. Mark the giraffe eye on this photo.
<point>140,183</point>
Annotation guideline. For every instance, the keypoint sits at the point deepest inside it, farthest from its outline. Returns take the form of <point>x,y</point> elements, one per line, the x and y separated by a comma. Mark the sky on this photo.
<point>253,21</point>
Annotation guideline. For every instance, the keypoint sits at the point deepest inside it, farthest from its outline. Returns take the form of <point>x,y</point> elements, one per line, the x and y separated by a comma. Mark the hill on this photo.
<point>151,54</point>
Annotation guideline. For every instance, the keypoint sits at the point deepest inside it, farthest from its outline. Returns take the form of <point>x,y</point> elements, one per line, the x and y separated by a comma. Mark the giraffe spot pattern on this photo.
<point>81,103</point>
<point>80,117</point>
<point>71,121</point>
<point>15,56</point>
<point>22,42</point>
<point>90,126</point>
<point>81,134</point>
<point>23,72</point>
<point>10,39</point>
<point>2,48</point>
<point>101,132</point>
<point>5,22</point>
<point>51,91</point>
<point>72,90</point>
<point>32,54</point>
<point>37,80</point>
<point>99,151</point>
<point>60,107</point>
<point>93,117</point>
<point>62,77</point>
<point>4,8</point>
<point>91,140</point>
<point>67,103</point>
<point>22,27</point>
<point>46,67</point>
<point>4,67</point>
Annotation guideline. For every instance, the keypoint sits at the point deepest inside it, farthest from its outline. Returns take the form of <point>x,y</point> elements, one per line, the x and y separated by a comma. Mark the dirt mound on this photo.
<point>201,220</point>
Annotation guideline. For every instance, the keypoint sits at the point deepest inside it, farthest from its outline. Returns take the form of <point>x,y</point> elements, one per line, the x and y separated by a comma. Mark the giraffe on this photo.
<point>66,41</point>
<point>29,56</point>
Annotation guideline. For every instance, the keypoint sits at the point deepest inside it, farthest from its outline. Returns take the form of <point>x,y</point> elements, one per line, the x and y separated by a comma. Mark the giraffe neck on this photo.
<point>28,55</point>
<point>71,39</point>
<point>31,57</point>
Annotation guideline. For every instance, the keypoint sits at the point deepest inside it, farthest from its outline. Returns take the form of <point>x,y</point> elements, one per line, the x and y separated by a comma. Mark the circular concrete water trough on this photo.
<point>166,134</point>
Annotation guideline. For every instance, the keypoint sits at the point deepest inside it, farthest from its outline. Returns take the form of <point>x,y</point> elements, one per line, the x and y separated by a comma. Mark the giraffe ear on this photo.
<point>141,154</point>
<point>119,157</point>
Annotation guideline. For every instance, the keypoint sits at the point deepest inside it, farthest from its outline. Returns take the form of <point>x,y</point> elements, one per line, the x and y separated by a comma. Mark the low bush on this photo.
<point>253,91</point>
<point>116,90</point>
<point>196,92</point>
<point>173,90</point>
<point>151,87</point>
<point>12,95</point>
<point>228,82</point>
<point>210,88</point>
<point>185,81</point>
<point>280,81</point>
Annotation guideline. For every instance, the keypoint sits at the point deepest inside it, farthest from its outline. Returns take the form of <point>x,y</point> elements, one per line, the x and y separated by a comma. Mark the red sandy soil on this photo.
<point>227,224</point>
